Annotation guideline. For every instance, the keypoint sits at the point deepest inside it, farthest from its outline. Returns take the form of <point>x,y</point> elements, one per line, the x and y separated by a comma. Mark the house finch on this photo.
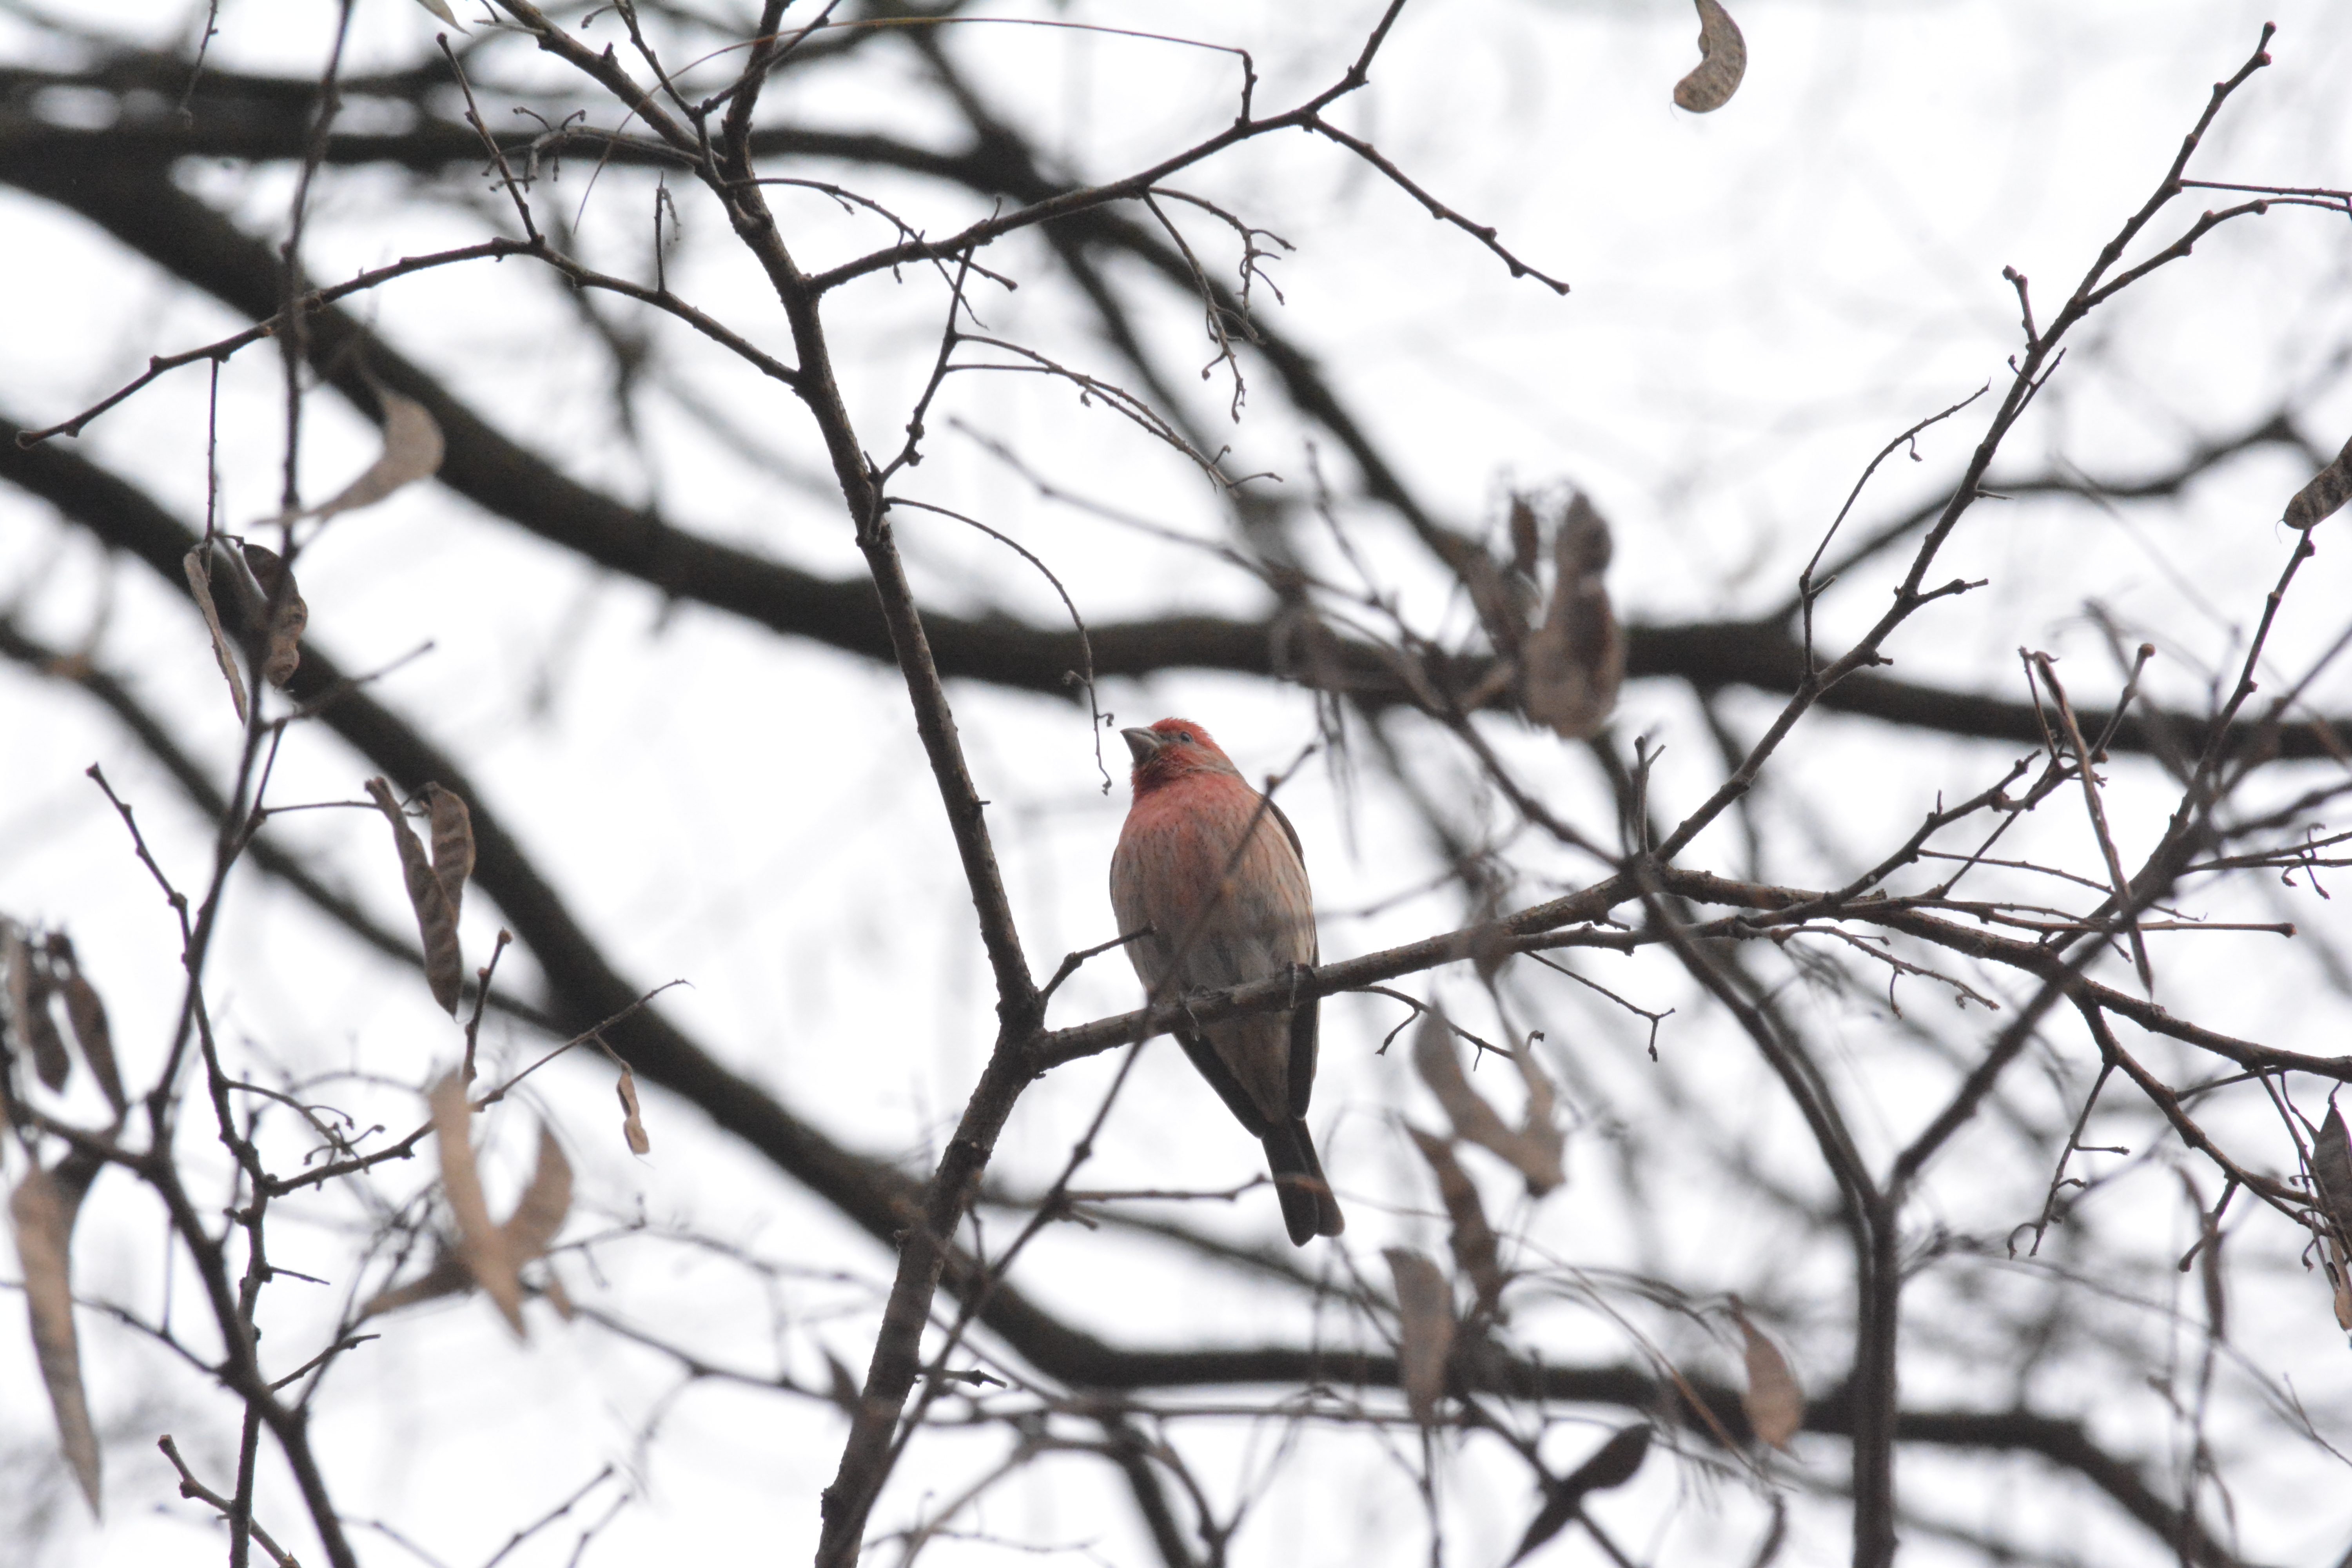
<point>1215,910</point>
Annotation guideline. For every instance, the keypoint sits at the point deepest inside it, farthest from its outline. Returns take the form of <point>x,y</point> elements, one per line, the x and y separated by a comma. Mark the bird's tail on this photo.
<point>1308,1207</point>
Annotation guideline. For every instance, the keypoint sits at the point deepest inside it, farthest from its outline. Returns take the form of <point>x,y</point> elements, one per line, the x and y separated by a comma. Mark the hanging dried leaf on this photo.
<point>1723,60</point>
<point>1535,1150</point>
<point>1612,1465</point>
<point>29,1018</point>
<point>1774,1403</point>
<point>1497,604</point>
<point>545,1203</point>
<point>441,9</point>
<point>1435,1057</point>
<point>412,451</point>
<point>287,612</point>
<point>447,1277</point>
<point>1526,542</point>
<point>1471,1238</point>
<point>2329,489</point>
<point>1425,1329</point>
<point>453,844</point>
<point>87,1015</point>
<point>1542,1144</point>
<point>633,1128</point>
<point>43,1218</point>
<point>200,588</point>
<point>482,1247</point>
<point>1575,661</point>
<point>16,976</point>
<point>436,922</point>
<point>2331,1168</point>
<point>51,1058</point>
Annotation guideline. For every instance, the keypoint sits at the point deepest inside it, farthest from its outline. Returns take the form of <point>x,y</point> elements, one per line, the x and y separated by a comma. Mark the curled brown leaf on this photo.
<point>286,613</point>
<point>42,1216</point>
<point>51,1058</point>
<point>1527,540</point>
<point>2331,1170</point>
<point>1574,663</point>
<point>1471,1238</point>
<point>29,1018</point>
<point>453,844</point>
<point>544,1204</point>
<point>447,1277</point>
<point>1723,60</point>
<point>633,1126</point>
<point>1535,1149</point>
<point>412,451</point>
<point>436,921</point>
<point>2326,494</point>
<point>482,1247</point>
<point>87,1014</point>
<point>1496,602</point>
<point>197,564</point>
<point>1425,1328</point>
<point>1774,1403</point>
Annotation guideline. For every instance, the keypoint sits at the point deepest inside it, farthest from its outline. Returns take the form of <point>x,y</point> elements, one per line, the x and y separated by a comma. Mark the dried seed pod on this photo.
<point>1723,60</point>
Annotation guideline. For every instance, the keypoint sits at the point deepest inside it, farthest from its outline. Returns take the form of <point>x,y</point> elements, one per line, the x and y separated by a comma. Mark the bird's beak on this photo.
<point>1142,744</point>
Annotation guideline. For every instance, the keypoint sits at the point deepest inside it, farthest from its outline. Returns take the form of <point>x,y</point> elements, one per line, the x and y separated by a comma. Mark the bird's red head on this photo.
<point>1171,749</point>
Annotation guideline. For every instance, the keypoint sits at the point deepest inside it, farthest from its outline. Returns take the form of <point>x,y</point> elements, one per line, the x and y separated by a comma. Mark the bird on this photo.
<point>1210,884</point>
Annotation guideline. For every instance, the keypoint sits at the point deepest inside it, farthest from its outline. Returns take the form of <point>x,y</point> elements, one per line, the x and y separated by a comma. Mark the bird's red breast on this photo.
<point>1213,871</point>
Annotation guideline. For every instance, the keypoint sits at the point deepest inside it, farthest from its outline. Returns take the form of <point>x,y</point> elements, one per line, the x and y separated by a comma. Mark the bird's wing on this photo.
<point>1304,1029</point>
<point>1298,850</point>
<point>1305,1020</point>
